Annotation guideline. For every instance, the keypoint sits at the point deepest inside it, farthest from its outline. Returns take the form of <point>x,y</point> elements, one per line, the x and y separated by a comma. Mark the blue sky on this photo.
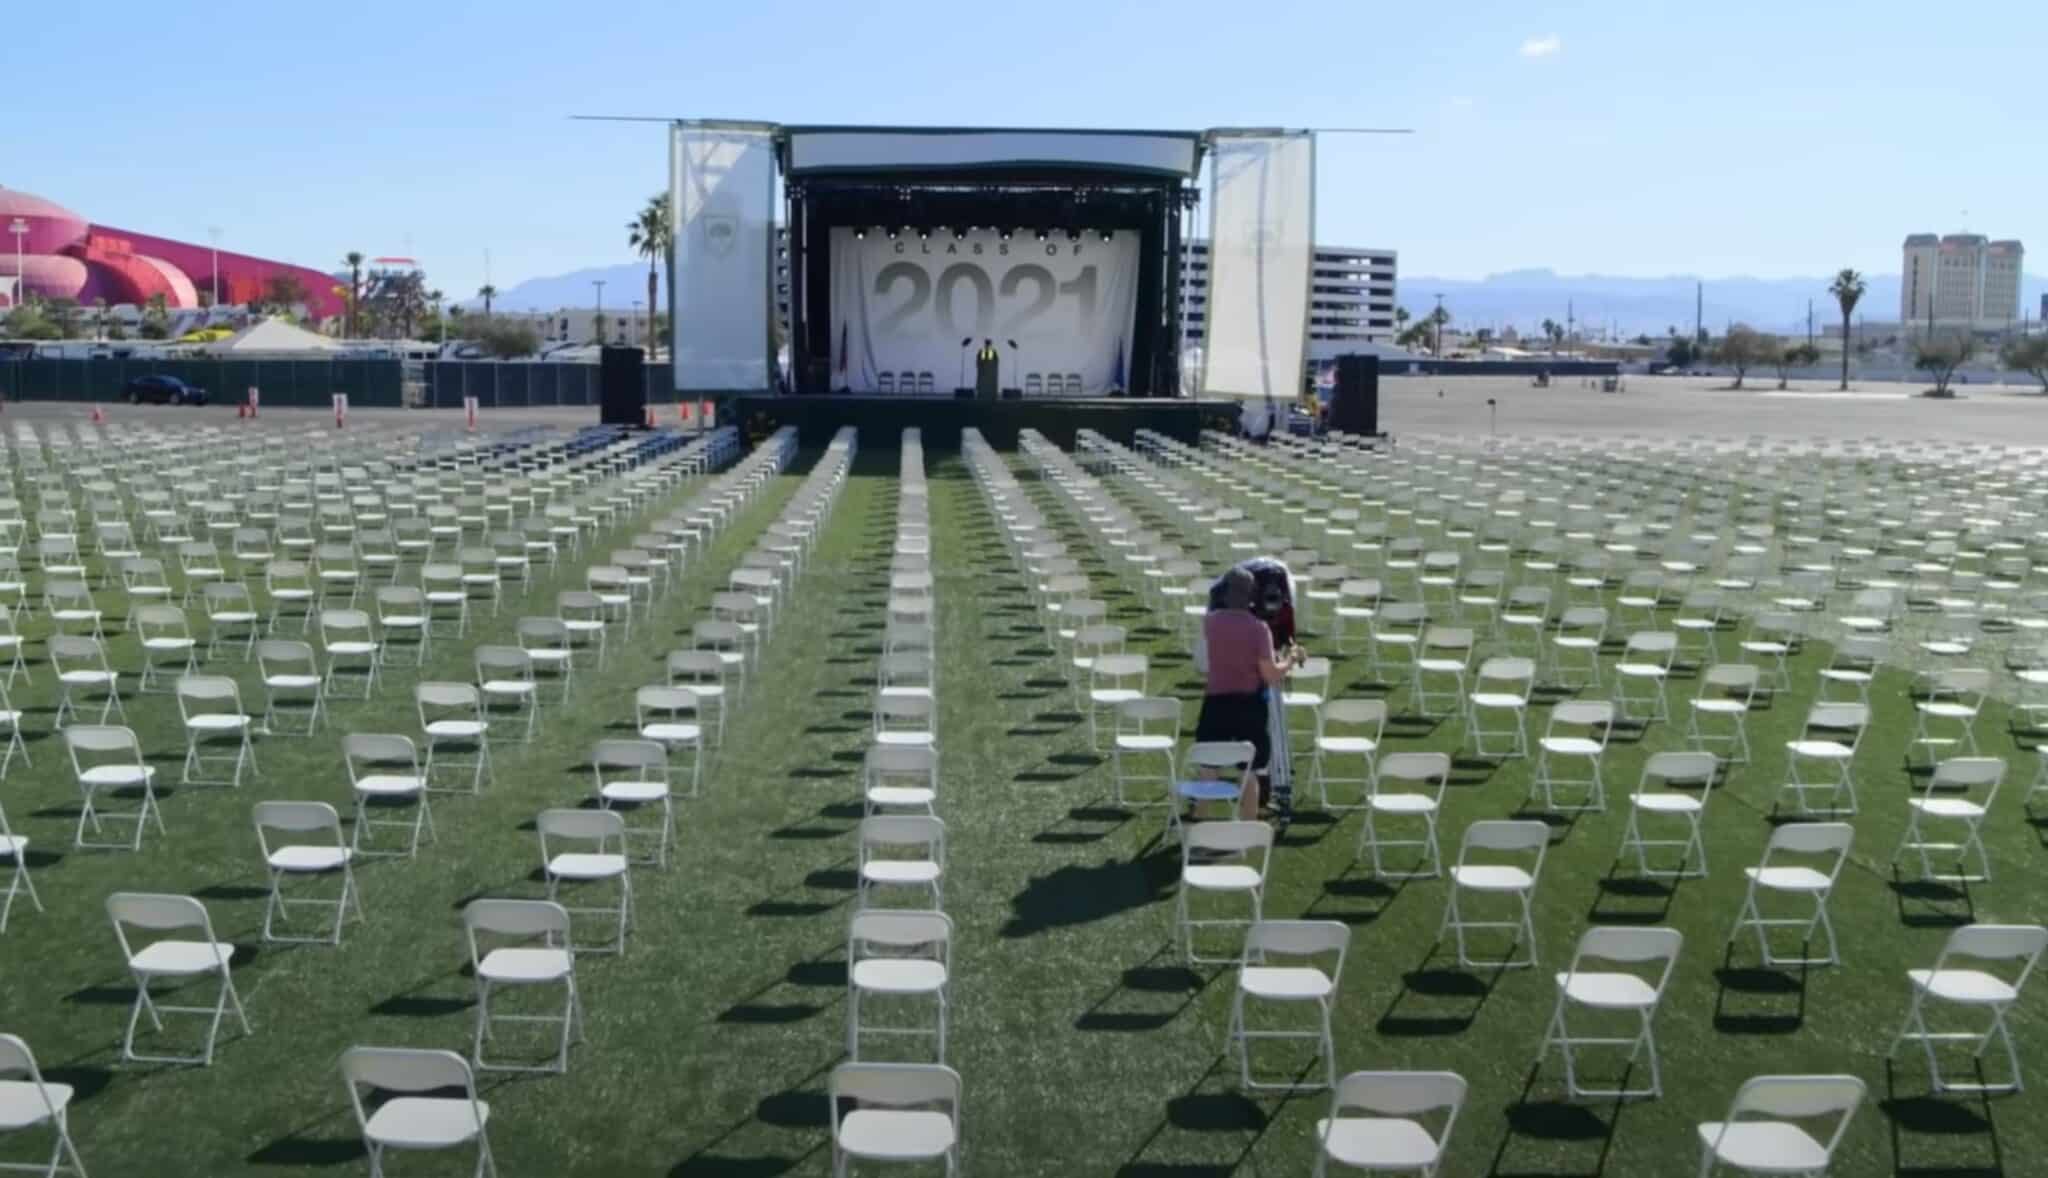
<point>1639,138</point>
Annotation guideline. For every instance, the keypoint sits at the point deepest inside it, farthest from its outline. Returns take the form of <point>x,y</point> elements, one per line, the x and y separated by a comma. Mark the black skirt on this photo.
<point>1238,716</point>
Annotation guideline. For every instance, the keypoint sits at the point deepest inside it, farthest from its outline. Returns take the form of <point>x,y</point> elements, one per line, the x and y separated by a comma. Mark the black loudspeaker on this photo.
<point>1355,408</point>
<point>622,387</point>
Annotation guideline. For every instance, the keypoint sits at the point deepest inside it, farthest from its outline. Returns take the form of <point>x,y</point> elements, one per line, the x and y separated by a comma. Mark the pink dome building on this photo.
<point>63,256</point>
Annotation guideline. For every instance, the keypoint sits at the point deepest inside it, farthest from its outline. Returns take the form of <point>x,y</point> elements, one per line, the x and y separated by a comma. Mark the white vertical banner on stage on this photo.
<point>1261,248</point>
<point>722,199</point>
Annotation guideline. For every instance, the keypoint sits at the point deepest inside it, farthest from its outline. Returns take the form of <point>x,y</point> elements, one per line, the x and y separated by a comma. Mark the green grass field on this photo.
<point>1085,1047</point>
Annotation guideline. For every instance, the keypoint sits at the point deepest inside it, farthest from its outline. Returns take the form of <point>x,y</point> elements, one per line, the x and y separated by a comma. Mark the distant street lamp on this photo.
<point>18,227</point>
<point>597,320</point>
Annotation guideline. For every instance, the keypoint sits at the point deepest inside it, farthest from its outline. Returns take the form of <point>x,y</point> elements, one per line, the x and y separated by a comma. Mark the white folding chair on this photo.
<point>14,847</point>
<point>1818,850</point>
<point>452,717</point>
<point>1947,719</point>
<point>210,706</point>
<point>1443,652</point>
<point>413,1119</point>
<point>1287,962</point>
<point>1645,664</point>
<point>1575,647</point>
<point>171,957</point>
<point>1655,799</point>
<point>168,649</point>
<point>1223,858</point>
<point>292,684</point>
<point>1303,695</point>
<point>597,839</point>
<point>352,651</point>
<point>1213,772</point>
<point>1148,726</point>
<point>900,777</point>
<point>1498,857</point>
<point>83,671</point>
<point>504,674</point>
<point>901,851</point>
<point>27,1100</point>
<point>230,617</point>
<point>1113,680</point>
<point>295,857</point>
<point>703,672</point>
<point>502,953</point>
<point>1654,953</point>
<point>908,720</point>
<point>546,642</point>
<point>1347,728</point>
<point>1727,692</point>
<point>1501,687</point>
<point>1405,786</point>
<point>1974,983</point>
<point>1827,741</point>
<point>105,761</point>
<point>1781,1125</point>
<point>1578,731</point>
<point>894,954</point>
<point>384,772</point>
<point>634,773</point>
<point>1392,1135</point>
<point>668,716</point>
<point>1959,791</point>
<point>896,1113</point>
<point>403,619</point>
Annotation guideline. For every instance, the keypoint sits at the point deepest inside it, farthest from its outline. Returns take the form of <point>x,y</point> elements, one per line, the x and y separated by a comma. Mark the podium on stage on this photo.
<point>987,371</point>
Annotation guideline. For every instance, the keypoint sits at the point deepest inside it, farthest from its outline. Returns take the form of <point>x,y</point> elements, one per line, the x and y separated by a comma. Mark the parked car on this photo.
<point>158,389</point>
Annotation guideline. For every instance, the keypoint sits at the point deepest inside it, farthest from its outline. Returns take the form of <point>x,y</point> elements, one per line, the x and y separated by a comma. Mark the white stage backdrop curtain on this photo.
<point>1261,247</point>
<point>903,305</point>
<point>722,196</point>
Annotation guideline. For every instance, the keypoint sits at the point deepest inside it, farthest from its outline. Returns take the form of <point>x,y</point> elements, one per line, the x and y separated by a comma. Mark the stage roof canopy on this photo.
<point>993,152</point>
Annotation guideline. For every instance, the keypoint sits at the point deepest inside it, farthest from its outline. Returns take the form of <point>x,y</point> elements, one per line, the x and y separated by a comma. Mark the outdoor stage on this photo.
<point>942,418</point>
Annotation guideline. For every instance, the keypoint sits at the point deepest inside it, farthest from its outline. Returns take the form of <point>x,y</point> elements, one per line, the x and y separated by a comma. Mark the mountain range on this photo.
<point>1523,298</point>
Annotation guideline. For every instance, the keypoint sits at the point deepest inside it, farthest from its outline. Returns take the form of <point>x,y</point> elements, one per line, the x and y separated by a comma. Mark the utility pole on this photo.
<point>1570,322</point>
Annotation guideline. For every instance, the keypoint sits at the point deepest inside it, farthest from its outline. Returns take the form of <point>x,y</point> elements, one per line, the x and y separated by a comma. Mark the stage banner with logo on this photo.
<point>923,306</point>
<point>722,199</point>
<point>1261,246</point>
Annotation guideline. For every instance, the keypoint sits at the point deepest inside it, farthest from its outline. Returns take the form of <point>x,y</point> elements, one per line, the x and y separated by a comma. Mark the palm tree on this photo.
<point>1847,288</point>
<point>354,261</point>
<point>435,296</point>
<point>649,234</point>
<point>1550,334</point>
<point>487,292</point>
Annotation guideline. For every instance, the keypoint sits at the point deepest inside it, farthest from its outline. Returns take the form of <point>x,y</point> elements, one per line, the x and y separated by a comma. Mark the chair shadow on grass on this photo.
<point>1772,988</point>
<point>1557,1124</point>
<point>1928,903</point>
<point>1349,887</point>
<point>1950,1120</point>
<point>1082,894</point>
<point>1219,1110</point>
<point>1415,1011</point>
<point>1110,817</point>
<point>1632,899</point>
<point>799,1107</point>
<point>1161,973</point>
